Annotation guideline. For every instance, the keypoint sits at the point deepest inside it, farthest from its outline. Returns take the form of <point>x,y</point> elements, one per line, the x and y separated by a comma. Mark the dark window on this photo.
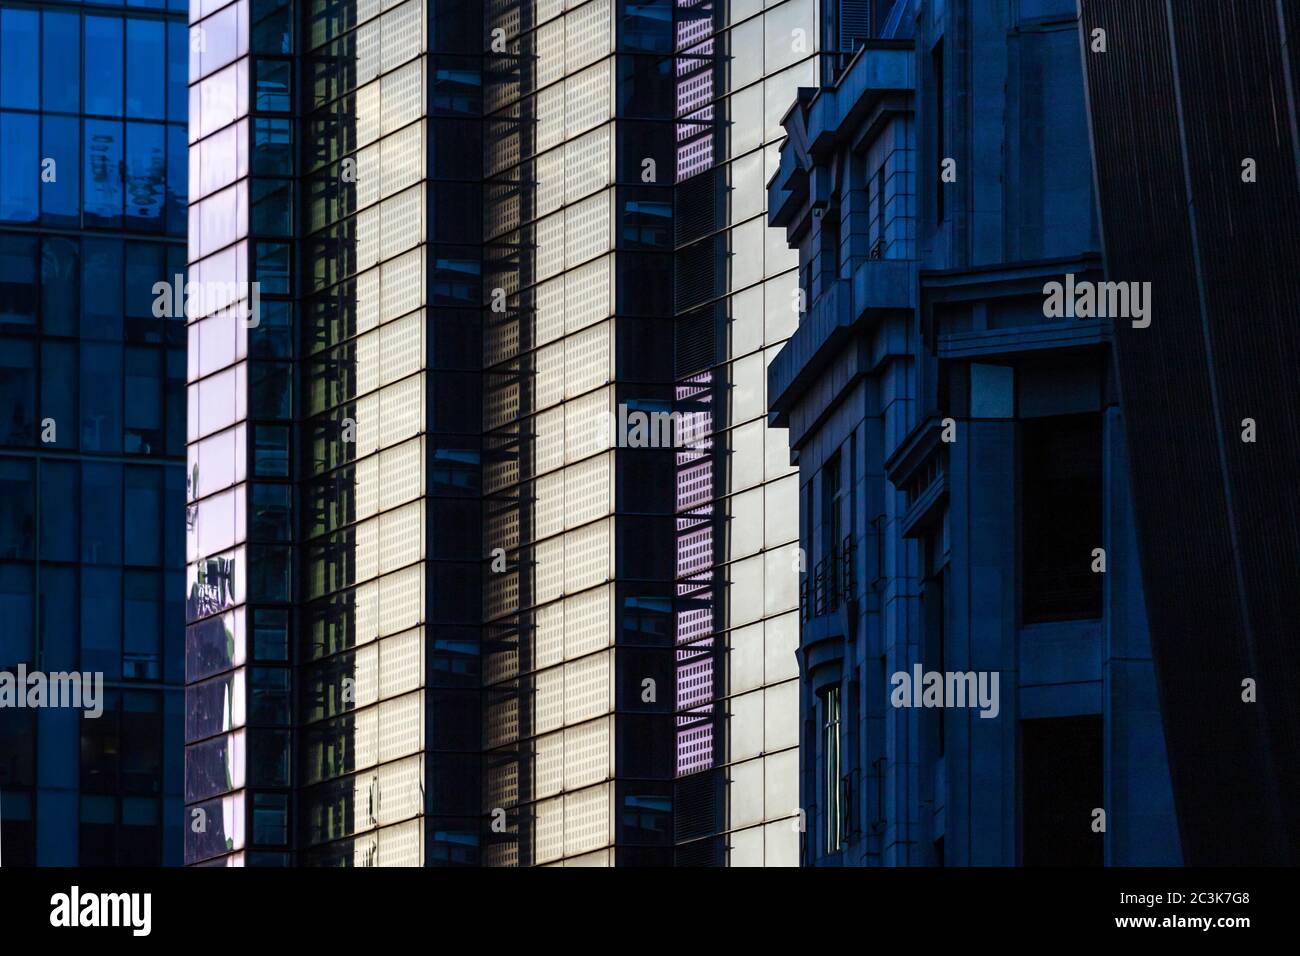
<point>17,392</point>
<point>144,512</point>
<point>272,85</point>
<point>104,73</point>
<point>1061,496</point>
<point>142,606</point>
<point>18,282</point>
<point>832,813</point>
<point>146,176</point>
<point>61,193</point>
<point>20,143</point>
<point>940,137</point>
<point>101,290</point>
<point>270,513</point>
<point>146,58</point>
<point>61,66</point>
<point>20,48</point>
<point>1061,786</point>
<point>270,27</point>
<point>18,516</point>
<point>832,505</point>
<point>60,285</point>
<point>270,819</point>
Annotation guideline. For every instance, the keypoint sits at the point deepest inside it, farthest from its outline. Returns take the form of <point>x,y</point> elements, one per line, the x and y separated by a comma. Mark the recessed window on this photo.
<point>833,814</point>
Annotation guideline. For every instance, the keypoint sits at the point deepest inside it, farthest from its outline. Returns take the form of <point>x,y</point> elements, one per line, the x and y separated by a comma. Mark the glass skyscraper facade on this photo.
<point>92,425</point>
<point>442,608</point>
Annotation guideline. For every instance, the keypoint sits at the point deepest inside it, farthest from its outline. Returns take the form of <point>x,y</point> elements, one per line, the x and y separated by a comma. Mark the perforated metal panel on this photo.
<point>587,820</point>
<point>587,297</point>
<point>587,687</point>
<point>587,622</point>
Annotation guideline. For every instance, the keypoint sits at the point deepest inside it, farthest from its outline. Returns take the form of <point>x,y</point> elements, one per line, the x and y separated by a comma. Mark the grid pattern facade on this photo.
<point>92,214</point>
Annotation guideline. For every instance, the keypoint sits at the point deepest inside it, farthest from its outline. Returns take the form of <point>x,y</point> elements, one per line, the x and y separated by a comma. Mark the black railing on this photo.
<point>830,584</point>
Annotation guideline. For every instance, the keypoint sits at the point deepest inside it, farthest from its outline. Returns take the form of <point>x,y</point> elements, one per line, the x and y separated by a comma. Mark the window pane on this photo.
<point>60,185</point>
<point>61,89</point>
<point>101,289</point>
<point>101,397</point>
<point>20,146</point>
<point>61,484</point>
<point>145,57</point>
<point>103,88</point>
<point>19,52</point>
<point>17,610</point>
<point>60,285</point>
<point>143,516</point>
<point>18,282</point>
<point>146,167</point>
<point>17,392</point>
<point>178,70</point>
<point>18,517</point>
<point>102,143</point>
<point>58,425</point>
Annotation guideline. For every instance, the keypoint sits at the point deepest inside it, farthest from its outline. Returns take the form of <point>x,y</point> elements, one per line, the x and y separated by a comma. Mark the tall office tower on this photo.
<point>503,609</point>
<point>977,677</point>
<point>578,649</point>
<point>738,68</point>
<point>1198,180</point>
<point>92,426</point>
<point>333,644</point>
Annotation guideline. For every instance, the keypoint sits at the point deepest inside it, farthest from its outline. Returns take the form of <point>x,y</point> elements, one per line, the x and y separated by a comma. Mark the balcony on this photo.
<point>878,286</point>
<point>830,584</point>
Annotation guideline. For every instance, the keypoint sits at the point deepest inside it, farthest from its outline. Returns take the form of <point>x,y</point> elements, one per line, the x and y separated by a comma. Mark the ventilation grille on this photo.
<point>696,340</point>
<point>698,201</point>
<point>696,803</point>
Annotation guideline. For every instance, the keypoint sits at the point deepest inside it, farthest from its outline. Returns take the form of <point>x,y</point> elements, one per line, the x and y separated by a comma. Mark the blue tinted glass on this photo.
<point>272,267</point>
<point>144,515</point>
<point>272,207</point>
<point>18,517</point>
<point>144,267</point>
<point>61,484</point>
<point>178,70</point>
<point>20,46</point>
<point>18,282</point>
<point>60,285</point>
<point>272,85</point>
<point>146,175</point>
<point>20,146</point>
<point>178,170</point>
<point>17,392</point>
<point>101,288</point>
<point>60,184</point>
<point>102,145</point>
<point>104,65</point>
<point>61,79</point>
<point>101,401</point>
<point>17,610</point>
<point>59,620</point>
<point>142,614</point>
<point>176,402</point>
<point>271,147</point>
<point>145,60</point>
<point>144,402</point>
<point>101,512</point>
<point>59,396</point>
<point>101,621</point>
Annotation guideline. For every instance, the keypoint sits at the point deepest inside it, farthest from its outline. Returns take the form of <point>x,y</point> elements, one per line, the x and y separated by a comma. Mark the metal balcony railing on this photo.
<point>830,583</point>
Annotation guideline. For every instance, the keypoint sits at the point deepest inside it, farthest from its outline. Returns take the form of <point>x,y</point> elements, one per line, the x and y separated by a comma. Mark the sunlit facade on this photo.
<point>738,69</point>
<point>92,426</point>
<point>441,611</point>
